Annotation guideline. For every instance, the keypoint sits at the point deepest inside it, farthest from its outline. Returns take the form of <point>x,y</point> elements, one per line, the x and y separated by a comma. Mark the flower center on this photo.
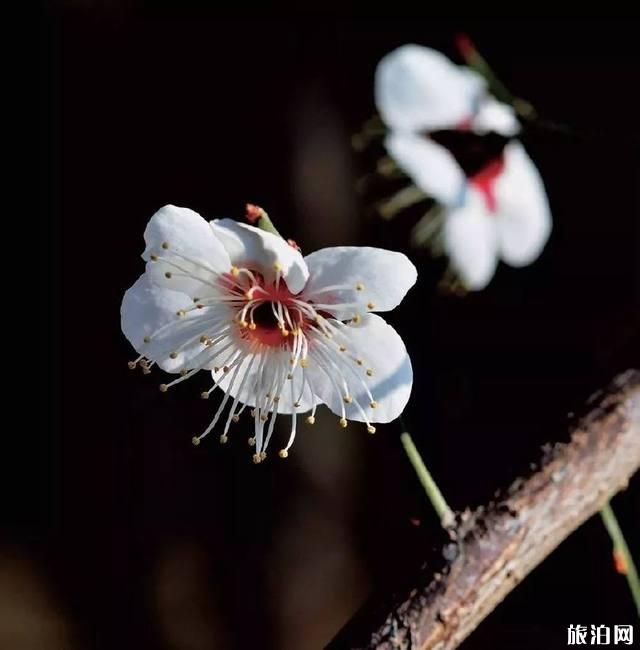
<point>480,157</point>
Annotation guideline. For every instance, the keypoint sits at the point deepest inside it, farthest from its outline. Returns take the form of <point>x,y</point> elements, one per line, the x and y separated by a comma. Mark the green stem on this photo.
<point>620,546</point>
<point>477,62</point>
<point>265,223</point>
<point>433,493</point>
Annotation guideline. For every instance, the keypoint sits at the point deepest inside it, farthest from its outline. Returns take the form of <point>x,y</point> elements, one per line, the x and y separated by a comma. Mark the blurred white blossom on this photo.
<point>498,210</point>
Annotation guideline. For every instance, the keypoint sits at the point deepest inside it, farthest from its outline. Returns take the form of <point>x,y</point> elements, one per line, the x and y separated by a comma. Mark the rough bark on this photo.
<point>494,548</point>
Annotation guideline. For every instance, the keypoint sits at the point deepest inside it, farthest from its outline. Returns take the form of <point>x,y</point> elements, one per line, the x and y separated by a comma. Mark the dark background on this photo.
<point>141,541</point>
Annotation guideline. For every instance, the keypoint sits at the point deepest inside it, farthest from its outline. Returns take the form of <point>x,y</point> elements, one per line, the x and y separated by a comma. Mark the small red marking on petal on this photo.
<point>415,521</point>
<point>465,124</point>
<point>293,244</point>
<point>484,181</point>
<point>620,563</point>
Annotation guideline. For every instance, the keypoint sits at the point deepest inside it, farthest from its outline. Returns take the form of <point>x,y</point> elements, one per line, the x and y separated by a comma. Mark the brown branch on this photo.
<point>494,548</point>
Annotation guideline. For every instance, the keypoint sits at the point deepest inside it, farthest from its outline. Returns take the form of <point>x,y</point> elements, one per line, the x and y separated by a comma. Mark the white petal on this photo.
<point>381,349</point>
<point>419,89</point>
<point>185,246</point>
<point>262,371</point>
<point>523,215</point>
<point>495,116</point>
<point>150,310</point>
<point>429,165</point>
<point>259,250</point>
<point>470,241</point>
<point>371,276</point>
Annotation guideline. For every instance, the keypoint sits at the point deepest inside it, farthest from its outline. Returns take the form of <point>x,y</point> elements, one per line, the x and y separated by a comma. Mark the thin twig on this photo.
<point>424,476</point>
<point>621,549</point>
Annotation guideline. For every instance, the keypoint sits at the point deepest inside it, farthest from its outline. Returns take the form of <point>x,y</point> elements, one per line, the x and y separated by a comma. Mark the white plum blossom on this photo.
<point>280,333</point>
<point>495,210</point>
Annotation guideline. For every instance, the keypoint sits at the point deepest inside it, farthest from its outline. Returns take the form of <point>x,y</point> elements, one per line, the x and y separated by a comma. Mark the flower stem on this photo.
<point>265,223</point>
<point>433,492</point>
<point>621,549</point>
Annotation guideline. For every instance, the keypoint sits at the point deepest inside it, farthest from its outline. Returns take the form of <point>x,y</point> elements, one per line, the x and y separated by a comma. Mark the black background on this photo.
<point>210,111</point>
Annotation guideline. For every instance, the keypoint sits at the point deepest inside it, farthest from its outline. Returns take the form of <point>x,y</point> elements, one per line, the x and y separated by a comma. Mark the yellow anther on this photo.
<point>371,305</point>
<point>289,376</point>
<point>276,399</point>
<point>235,417</point>
<point>224,439</point>
<point>371,429</point>
<point>297,404</point>
<point>167,275</point>
<point>163,388</point>
<point>304,363</point>
<point>235,271</point>
<point>263,455</point>
<point>225,369</point>
<point>311,420</point>
<point>204,338</point>
<point>165,245</point>
<point>195,441</point>
<point>343,348</point>
<point>347,399</point>
<point>277,266</point>
<point>146,370</point>
<point>342,422</point>
<point>173,355</point>
<point>360,362</point>
<point>183,372</point>
<point>284,332</point>
<point>356,318</point>
<point>373,404</point>
<point>359,286</point>
<point>283,453</point>
<point>252,326</point>
<point>204,394</point>
<point>251,442</point>
<point>243,323</point>
<point>200,306</point>
<point>147,339</point>
<point>180,313</point>
<point>263,417</point>
<point>256,458</point>
<point>253,413</point>
<point>369,372</point>
<point>216,369</point>
<point>154,258</point>
<point>131,365</point>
